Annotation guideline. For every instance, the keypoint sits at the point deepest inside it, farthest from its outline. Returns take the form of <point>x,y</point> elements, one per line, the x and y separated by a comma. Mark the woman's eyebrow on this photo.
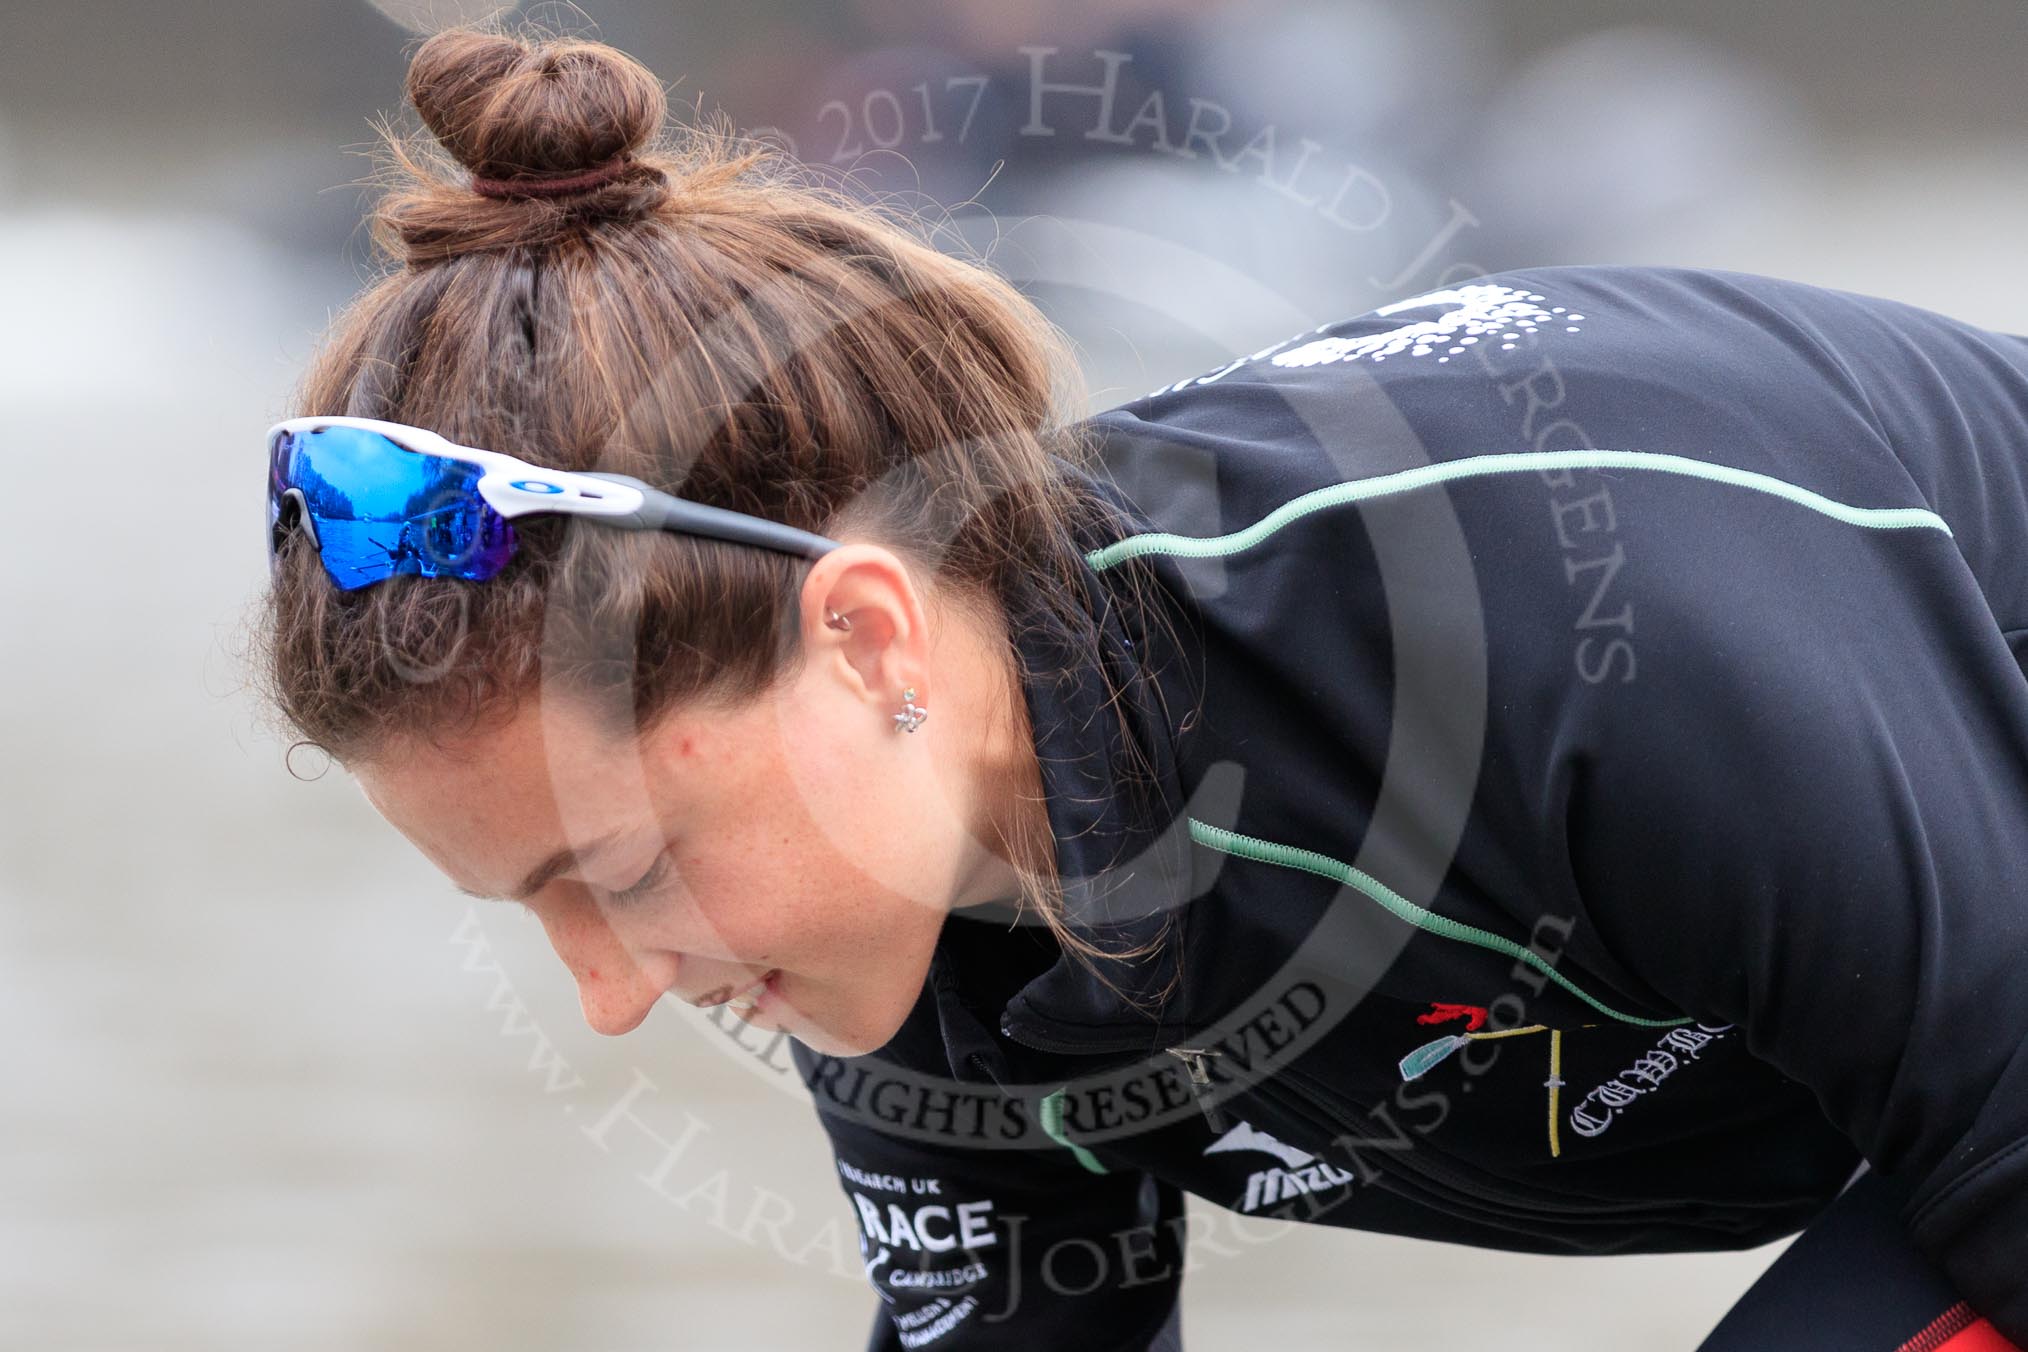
<point>539,877</point>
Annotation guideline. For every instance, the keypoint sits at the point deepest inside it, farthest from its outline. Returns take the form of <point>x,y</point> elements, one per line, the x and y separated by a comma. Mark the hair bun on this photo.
<point>512,109</point>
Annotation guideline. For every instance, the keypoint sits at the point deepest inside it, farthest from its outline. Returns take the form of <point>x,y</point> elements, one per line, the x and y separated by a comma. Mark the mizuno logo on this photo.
<point>1246,1136</point>
<point>1300,1171</point>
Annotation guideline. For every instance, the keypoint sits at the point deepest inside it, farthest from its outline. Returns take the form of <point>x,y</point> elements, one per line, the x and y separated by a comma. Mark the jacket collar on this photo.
<point>1123,851</point>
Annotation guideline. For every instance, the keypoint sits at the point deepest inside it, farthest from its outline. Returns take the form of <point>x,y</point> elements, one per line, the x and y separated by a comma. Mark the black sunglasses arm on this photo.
<point>667,512</point>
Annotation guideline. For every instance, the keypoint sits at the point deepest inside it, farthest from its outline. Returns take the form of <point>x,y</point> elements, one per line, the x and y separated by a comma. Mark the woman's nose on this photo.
<point>614,1006</point>
<point>616,987</point>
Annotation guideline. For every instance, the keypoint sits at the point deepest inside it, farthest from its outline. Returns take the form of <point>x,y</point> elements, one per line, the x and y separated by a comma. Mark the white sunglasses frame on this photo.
<point>515,488</point>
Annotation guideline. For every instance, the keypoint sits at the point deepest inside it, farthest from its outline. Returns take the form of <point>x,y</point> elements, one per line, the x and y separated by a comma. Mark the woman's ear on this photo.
<point>862,611</point>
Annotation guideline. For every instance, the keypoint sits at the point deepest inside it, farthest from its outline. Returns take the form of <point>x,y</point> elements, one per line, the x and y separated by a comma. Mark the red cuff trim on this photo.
<point>1958,1330</point>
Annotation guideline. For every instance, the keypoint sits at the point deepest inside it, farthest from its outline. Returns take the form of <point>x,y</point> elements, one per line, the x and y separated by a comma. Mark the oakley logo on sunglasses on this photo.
<point>535,486</point>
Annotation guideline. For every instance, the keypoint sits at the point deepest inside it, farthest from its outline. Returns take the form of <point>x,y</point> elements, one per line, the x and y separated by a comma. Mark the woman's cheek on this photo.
<point>751,927</point>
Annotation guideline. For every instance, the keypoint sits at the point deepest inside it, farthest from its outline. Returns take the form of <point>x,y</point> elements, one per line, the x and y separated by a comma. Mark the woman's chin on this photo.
<point>824,1045</point>
<point>832,1036</point>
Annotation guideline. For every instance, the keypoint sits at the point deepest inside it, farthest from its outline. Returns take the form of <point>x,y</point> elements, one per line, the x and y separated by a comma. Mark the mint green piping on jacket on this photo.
<point>1289,856</point>
<point>1423,476</point>
<point>1509,462</point>
<point>1051,1113</point>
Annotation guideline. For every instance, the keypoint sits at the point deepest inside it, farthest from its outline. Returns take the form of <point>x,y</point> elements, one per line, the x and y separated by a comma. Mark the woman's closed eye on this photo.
<point>645,886</point>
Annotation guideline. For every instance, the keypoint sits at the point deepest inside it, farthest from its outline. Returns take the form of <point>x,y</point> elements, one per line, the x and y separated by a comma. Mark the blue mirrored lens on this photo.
<point>380,509</point>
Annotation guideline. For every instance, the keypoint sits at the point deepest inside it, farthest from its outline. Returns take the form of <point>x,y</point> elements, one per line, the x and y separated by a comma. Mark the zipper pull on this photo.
<point>1200,1081</point>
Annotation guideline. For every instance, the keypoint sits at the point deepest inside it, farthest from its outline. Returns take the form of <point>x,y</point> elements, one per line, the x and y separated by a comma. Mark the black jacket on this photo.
<point>1590,807</point>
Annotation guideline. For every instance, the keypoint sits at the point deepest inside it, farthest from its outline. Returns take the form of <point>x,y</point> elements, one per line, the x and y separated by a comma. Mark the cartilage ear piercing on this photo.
<point>912,719</point>
<point>836,621</point>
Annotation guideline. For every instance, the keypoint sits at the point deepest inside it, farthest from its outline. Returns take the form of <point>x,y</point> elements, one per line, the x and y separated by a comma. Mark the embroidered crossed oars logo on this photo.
<point>1418,1062</point>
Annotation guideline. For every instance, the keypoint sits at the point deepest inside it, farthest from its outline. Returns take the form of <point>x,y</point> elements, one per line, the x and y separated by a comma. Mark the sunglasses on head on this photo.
<point>379,499</point>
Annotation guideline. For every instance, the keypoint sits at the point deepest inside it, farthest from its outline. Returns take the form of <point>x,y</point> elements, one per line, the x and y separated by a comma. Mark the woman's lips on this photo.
<point>743,999</point>
<point>758,996</point>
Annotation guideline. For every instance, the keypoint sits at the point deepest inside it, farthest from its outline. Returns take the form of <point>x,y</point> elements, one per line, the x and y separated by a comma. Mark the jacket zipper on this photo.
<point>1191,1057</point>
<point>1200,1082</point>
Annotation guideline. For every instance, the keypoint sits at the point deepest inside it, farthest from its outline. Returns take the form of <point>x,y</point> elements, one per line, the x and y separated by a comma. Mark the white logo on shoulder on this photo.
<point>1485,311</point>
<point>1300,1172</point>
<point>1481,312</point>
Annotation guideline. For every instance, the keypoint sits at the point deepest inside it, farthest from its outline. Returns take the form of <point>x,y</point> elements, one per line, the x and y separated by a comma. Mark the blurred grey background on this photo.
<point>271,1083</point>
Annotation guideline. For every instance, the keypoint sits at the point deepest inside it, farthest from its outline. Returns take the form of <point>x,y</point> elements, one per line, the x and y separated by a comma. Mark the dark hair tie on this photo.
<point>597,176</point>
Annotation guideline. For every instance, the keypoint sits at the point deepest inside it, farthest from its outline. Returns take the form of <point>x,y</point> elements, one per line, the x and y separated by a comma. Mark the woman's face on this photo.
<point>801,835</point>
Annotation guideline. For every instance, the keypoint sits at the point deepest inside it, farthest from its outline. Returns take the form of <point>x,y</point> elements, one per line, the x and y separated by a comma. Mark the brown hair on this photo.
<point>704,316</point>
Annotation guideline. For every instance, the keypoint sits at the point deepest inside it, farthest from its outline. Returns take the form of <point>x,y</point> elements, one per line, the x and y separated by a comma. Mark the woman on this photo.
<point>1542,766</point>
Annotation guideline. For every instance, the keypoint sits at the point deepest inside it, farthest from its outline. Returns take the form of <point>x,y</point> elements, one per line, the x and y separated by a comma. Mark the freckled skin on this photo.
<point>802,834</point>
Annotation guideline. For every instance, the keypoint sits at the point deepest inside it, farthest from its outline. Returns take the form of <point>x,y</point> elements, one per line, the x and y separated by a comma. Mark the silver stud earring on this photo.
<point>913,714</point>
<point>912,719</point>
